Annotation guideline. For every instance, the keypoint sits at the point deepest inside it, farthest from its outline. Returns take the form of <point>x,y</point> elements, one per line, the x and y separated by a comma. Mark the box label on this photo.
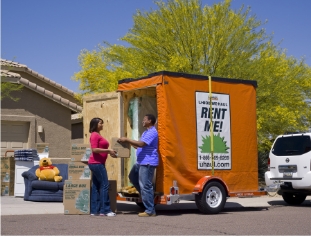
<point>78,170</point>
<point>80,152</point>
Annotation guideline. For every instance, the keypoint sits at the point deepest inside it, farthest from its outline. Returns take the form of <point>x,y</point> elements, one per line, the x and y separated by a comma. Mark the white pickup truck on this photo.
<point>289,167</point>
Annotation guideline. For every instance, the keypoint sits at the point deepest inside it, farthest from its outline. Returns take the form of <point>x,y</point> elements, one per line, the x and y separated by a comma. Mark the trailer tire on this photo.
<point>294,199</point>
<point>213,198</point>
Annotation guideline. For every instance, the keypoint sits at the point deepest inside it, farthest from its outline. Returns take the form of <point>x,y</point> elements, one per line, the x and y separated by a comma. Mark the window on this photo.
<point>292,146</point>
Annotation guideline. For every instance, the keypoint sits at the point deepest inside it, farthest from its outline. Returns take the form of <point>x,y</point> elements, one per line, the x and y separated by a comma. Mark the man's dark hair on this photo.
<point>152,118</point>
<point>94,124</point>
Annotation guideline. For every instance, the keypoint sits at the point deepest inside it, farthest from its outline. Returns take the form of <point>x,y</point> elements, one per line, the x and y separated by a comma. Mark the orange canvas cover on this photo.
<point>184,135</point>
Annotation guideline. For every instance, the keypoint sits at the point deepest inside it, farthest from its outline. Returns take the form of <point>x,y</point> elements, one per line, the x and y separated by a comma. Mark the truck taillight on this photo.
<point>269,164</point>
<point>172,190</point>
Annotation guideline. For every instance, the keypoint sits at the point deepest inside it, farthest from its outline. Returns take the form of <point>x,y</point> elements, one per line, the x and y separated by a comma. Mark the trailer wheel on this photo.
<point>213,198</point>
<point>294,199</point>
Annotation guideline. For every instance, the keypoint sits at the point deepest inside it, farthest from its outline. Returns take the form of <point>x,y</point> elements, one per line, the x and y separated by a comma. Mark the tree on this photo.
<point>184,36</point>
<point>284,87</point>
<point>7,88</point>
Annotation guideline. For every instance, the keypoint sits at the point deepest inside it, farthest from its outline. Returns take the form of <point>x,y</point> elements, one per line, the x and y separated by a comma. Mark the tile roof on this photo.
<point>10,65</point>
<point>15,77</point>
<point>7,74</point>
<point>76,116</point>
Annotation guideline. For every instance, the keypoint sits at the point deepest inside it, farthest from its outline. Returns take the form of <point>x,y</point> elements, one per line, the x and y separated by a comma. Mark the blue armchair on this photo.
<point>44,191</point>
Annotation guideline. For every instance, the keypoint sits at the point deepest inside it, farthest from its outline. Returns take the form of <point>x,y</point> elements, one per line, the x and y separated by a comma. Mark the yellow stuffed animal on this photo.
<point>47,171</point>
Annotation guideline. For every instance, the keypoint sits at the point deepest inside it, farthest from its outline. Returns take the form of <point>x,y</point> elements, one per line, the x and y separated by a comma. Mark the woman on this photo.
<point>100,203</point>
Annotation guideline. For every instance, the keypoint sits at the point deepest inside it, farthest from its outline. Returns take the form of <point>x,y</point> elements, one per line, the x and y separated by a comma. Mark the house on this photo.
<point>43,113</point>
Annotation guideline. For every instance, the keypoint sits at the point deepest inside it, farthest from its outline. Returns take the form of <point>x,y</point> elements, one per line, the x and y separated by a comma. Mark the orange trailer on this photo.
<point>198,125</point>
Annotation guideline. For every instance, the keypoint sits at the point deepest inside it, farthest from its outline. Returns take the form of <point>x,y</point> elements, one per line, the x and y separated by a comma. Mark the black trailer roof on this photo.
<point>190,76</point>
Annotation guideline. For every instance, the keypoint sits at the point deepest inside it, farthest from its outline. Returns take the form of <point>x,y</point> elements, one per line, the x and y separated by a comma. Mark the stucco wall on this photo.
<point>39,110</point>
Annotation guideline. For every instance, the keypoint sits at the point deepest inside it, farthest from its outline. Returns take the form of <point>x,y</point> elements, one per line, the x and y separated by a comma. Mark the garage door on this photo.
<point>14,136</point>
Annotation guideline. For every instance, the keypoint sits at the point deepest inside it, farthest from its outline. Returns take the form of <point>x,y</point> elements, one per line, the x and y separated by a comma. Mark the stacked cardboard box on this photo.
<point>77,197</point>
<point>7,176</point>
<point>81,152</point>
<point>77,189</point>
<point>78,170</point>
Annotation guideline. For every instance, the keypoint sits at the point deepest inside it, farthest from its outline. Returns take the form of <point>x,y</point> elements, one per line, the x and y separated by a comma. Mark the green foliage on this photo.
<point>184,36</point>
<point>284,86</point>
<point>263,157</point>
<point>220,145</point>
<point>7,88</point>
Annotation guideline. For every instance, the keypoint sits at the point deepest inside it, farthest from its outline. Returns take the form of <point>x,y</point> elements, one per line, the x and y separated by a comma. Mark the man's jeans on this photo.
<point>100,203</point>
<point>141,177</point>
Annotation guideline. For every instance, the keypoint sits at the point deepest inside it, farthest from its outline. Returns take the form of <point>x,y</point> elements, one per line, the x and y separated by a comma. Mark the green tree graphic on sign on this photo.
<point>220,145</point>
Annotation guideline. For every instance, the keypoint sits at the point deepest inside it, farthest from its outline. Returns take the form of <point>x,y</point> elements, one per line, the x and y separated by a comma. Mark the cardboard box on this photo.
<point>76,197</point>
<point>7,176</point>
<point>7,189</point>
<point>80,152</point>
<point>122,149</point>
<point>7,164</point>
<point>78,170</point>
<point>113,195</point>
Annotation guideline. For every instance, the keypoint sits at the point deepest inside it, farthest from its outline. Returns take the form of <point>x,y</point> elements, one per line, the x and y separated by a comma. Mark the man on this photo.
<point>142,172</point>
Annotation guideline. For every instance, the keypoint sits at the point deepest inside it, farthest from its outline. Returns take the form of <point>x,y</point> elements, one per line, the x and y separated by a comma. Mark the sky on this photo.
<point>48,35</point>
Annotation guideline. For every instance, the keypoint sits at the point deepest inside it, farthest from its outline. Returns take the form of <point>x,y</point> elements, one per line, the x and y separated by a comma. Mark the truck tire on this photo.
<point>213,198</point>
<point>294,199</point>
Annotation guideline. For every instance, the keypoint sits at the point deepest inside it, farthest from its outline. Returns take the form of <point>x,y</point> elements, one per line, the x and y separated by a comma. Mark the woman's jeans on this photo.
<point>100,203</point>
<point>141,177</point>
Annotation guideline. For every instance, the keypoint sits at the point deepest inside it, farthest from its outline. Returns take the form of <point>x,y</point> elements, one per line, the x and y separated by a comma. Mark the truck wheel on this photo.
<point>213,198</point>
<point>294,199</point>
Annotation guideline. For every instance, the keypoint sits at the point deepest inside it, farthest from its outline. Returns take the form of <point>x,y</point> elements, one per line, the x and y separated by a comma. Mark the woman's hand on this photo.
<point>113,153</point>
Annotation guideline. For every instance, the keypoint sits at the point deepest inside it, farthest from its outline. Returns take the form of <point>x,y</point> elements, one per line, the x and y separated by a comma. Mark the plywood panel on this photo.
<point>107,107</point>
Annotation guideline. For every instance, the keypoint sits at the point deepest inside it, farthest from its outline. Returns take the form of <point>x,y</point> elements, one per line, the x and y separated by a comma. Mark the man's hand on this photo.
<point>133,143</point>
<point>122,139</point>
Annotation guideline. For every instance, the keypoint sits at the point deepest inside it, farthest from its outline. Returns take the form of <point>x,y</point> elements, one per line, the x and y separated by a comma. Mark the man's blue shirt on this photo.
<point>149,153</point>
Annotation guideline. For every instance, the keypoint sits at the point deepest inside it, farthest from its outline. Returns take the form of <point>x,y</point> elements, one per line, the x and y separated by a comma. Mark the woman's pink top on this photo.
<point>97,141</point>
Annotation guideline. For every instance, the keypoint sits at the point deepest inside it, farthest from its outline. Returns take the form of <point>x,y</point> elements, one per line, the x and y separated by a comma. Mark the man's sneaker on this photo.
<point>94,214</point>
<point>109,214</point>
<point>145,214</point>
